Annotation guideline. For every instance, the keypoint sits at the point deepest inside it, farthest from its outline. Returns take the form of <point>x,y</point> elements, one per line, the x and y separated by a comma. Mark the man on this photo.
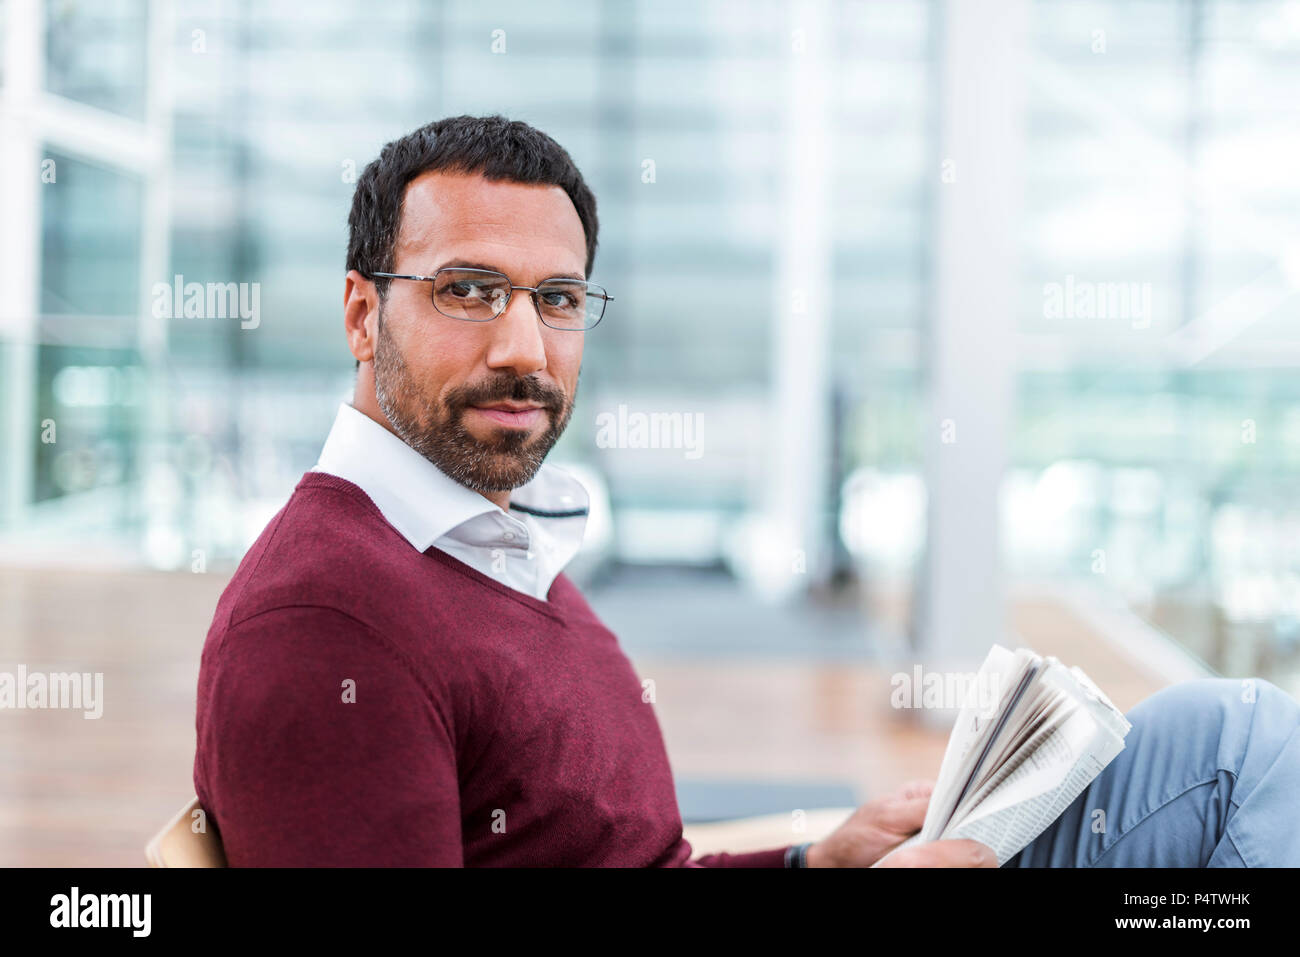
<point>400,673</point>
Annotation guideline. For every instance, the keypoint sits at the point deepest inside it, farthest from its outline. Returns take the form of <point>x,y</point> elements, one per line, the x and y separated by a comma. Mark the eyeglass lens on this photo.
<point>478,297</point>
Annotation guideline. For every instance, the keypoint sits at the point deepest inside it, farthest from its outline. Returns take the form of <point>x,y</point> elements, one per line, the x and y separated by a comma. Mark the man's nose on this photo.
<point>517,341</point>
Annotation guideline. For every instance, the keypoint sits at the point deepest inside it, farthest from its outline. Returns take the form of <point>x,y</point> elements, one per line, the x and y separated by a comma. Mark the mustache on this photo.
<point>514,389</point>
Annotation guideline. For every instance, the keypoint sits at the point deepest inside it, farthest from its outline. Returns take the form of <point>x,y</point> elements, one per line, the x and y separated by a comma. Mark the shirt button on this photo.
<point>509,536</point>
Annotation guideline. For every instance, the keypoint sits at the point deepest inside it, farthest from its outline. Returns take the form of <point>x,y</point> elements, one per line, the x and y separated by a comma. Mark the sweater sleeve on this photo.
<point>772,858</point>
<point>318,747</point>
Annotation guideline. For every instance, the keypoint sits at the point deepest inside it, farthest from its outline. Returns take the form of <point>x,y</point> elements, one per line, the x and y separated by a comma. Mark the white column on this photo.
<point>794,553</point>
<point>972,334</point>
<point>155,232</point>
<point>20,245</point>
<point>150,447</point>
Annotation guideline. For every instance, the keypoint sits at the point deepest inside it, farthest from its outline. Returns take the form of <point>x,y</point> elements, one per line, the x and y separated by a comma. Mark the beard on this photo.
<point>436,429</point>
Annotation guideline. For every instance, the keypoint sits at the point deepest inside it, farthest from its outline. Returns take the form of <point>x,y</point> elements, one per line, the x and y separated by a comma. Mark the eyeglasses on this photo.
<point>480,295</point>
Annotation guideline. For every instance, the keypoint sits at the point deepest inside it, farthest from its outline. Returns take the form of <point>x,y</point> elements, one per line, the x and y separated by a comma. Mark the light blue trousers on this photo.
<point>1209,777</point>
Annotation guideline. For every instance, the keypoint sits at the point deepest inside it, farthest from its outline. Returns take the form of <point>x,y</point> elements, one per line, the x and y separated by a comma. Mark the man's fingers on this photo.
<point>920,788</point>
<point>903,815</point>
<point>961,853</point>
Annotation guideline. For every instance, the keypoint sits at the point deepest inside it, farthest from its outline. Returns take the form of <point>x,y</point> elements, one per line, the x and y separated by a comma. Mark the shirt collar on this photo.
<point>420,500</point>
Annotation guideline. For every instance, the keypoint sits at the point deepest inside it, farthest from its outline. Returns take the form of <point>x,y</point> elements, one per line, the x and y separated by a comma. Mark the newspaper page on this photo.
<point>1010,771</point>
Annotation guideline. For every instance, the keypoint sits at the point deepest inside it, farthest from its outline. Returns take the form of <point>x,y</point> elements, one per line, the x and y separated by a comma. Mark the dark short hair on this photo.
<point>492,146</point>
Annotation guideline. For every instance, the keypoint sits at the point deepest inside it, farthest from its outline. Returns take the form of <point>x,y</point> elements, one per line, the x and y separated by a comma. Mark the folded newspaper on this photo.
<point>1031,735</point>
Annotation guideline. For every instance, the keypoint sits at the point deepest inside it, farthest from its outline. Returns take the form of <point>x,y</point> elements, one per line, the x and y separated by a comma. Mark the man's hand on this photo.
<point>881,825</point>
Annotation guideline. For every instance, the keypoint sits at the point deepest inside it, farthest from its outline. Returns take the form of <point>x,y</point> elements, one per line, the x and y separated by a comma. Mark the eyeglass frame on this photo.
<point>531,289</point>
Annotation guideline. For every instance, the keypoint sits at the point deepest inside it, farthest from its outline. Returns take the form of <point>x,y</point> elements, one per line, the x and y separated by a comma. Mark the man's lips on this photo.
<point>514,416</point>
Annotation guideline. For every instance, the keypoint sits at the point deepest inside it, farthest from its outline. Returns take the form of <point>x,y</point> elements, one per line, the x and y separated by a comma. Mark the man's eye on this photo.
<point>467,290</point>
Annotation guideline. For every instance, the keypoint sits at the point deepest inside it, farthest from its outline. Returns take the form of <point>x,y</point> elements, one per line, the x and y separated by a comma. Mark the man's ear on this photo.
<point>360,315</point>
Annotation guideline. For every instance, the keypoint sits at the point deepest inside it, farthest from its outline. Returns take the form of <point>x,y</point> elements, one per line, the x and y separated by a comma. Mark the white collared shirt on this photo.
<point>525,547</point>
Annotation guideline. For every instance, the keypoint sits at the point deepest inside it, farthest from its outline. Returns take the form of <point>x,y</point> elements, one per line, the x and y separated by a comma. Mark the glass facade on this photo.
<point>1156,436</point>
<point>96,54</point>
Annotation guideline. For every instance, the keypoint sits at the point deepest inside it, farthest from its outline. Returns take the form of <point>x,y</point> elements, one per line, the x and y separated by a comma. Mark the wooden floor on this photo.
<point>81,792</point>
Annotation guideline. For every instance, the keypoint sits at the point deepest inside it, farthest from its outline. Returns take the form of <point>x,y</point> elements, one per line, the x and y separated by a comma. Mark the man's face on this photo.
<point>434,375</point>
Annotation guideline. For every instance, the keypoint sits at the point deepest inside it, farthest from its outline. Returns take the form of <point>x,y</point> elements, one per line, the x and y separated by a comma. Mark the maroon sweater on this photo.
<point>362,703</point>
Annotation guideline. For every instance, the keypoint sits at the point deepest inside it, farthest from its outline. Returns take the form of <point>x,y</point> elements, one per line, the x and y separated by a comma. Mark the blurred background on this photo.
<point>977,318</point>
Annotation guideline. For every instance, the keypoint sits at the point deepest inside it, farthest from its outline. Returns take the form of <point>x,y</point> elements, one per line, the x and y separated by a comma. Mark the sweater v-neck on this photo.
<point>351,489</point>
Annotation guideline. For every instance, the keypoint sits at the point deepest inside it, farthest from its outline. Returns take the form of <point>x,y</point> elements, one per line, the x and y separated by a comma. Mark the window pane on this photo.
<point>96,53</point>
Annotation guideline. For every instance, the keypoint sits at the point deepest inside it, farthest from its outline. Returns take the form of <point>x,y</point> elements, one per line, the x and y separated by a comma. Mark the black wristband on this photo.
<point>796,855</point>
